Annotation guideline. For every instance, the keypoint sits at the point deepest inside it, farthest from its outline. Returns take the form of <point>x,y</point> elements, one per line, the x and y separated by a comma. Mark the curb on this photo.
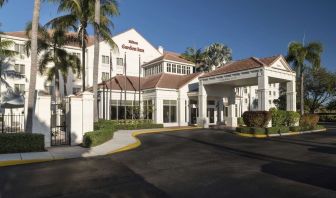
<point>138,142</point>
<point>278,135</point>
<point>125,148</point>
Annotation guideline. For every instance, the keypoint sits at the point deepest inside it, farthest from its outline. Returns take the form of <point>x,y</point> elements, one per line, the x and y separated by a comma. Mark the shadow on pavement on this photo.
<point>95,177</point>
<point>300,171</point>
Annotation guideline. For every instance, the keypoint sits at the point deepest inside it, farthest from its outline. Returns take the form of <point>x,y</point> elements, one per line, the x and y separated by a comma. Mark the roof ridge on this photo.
<point>257,60</point>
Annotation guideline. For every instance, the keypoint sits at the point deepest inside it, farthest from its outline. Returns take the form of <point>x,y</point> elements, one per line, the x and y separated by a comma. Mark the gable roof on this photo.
<point>163,80</point>
<point>170,56</point>
<point>245,64</point>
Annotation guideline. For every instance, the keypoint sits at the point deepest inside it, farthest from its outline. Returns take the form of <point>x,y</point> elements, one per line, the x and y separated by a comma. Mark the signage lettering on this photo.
<point>129,47</point>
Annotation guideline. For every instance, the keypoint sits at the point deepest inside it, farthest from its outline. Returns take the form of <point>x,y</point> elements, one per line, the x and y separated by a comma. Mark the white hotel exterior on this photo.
<point>167,82</point>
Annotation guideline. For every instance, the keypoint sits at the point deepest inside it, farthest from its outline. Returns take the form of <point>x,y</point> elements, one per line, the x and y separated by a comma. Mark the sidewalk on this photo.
<point>122,140</point>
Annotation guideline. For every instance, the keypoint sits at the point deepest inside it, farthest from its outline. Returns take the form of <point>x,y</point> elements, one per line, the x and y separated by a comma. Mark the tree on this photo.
<point>51,47</point>
<point>331,106</point>
<point>217,54</point>
<point>2,2</point>
<point>301,57</point>
<point>33,67</point>
<point>96,58</point>
<point>196,56</point>
<point>281,102</point>
<point>80,14</point>
<point>320,86</point>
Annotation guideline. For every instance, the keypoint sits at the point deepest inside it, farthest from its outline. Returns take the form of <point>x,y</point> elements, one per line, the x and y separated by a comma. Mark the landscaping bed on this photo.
<point>104,130</point>
<point>256,123</point>
<point>21,142</point>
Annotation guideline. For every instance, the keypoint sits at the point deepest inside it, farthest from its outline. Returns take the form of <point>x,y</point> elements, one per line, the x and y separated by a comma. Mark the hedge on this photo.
<point>292,118</point>
<point>279,117</point>
<point>257,118</point>
<point>21,142</point>
<point>328,118</point>
<point>240,121</point>
<point>272,130</point>
<point>309,121</point>
<point>104,130</point>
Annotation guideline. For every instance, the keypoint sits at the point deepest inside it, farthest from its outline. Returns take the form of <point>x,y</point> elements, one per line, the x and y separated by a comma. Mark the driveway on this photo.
<point>197,163</point>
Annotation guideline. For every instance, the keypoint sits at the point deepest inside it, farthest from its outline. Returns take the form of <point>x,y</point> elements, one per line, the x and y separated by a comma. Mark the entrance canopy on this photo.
<point>252,71</point>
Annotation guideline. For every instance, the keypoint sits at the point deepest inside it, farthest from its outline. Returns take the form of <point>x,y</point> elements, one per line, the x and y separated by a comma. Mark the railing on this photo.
<point>11,123</point>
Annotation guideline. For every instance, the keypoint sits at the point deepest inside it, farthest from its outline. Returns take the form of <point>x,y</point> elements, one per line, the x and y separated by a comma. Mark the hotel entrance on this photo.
<point>193,112</point>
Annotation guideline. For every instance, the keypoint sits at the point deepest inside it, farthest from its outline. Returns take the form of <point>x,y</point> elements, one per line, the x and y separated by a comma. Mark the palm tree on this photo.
<point>80,14</point>
<point>194,55</point>
<point>2,2</point>
<point>33,67</point>
<point>217,54</point>
<point>298,56</point>
<point>51,47</point>
<point>96,58</point>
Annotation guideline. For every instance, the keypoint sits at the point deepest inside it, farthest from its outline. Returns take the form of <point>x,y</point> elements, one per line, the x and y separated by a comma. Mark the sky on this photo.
<point>257,28</point>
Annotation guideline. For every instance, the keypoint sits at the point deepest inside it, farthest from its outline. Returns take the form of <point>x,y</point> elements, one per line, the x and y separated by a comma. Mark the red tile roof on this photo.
<point>171,56</point>
<point>163,80</point>
<point>240,65</point>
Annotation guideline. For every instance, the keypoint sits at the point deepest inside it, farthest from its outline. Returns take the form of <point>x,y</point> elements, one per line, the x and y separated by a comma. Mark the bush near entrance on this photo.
<point>257,118</point>
<point>104,130</point>
<point>21,142</point>
<point>282,122</point>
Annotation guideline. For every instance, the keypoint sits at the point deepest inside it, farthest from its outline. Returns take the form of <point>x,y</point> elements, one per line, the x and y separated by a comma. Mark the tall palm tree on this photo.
<point>80,14</point>
<point>194,55</point>
<point>51,47</point>
<point>301,57</point>
<point>96,58</point>
<point>217,54</point>
<point>2,2</point>
<point>33,67</point>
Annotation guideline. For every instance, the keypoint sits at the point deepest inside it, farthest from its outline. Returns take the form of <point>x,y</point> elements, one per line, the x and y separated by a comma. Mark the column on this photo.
<point>202,119</point>
<point>263,96</point>
<point>158,109</point>
<point>291,96</point>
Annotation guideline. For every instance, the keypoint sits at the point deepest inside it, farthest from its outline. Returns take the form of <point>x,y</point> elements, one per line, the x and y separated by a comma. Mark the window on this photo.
<point>245,100</point>
<point>160,68</point>
<point>19,48</point>
<point>188,70</point>
<point>49,89</point>
<point>169,111</point>
<point>148,109</point>
<point>19,68</point>
<point>120,61</point>
<point>245,90</point>
<point>77,54</point>
<point>270,93</point>
<point>169,68</point>
<point>19,88</point>
<point>120,109</point>
<point>274,93</point>
<point>76,90</point>
<point>270,102</point>
<point>178,69</point>
<point>226,110</point>
<point>105,59</point>
<point>174,68</point>
<point>105,76</point>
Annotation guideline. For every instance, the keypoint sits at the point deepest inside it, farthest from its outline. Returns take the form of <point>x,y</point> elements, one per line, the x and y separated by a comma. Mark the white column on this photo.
<point>232,117</point>
<point>158,109</point>
<point>42,118</point>
<point>202,119</point>
<point>263,96</point>
<point>291,96</point>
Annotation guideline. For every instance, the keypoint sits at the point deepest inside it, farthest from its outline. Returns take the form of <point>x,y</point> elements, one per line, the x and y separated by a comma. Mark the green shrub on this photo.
<point>21,142</point>
<point>328,118</point>
<point>295,128</point>
<point>256,118</point>
<point>319,127</point>
<point>279,117</point>
<point>240,121</point>
<point>244,129</point>
<point>95,138</point>
<point>292,118</point>
<point>258,130</point>
<point>309,121</point>
<point>272,130</point>
<point>283,129</point>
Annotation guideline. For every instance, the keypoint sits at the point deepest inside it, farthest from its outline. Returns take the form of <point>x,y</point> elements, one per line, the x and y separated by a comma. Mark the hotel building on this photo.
<point>169,90</point>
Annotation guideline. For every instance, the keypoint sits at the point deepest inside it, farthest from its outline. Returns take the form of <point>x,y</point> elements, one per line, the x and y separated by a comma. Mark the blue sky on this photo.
<point>251,28</point>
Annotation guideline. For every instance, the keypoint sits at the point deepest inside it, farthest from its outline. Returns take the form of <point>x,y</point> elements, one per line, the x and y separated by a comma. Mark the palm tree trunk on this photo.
<point>83,59</point>
<point>96,59</point>
<point>302,95</point>
<point>65,81</point>
<point>33,68</point>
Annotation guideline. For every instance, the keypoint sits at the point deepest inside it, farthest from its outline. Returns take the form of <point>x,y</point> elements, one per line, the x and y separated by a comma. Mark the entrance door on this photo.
<point>193,115</point>
<point>211,115</point>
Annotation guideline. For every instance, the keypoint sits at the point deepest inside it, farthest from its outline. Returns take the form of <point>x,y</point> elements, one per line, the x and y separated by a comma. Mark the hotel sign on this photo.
<point>130,47</point>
